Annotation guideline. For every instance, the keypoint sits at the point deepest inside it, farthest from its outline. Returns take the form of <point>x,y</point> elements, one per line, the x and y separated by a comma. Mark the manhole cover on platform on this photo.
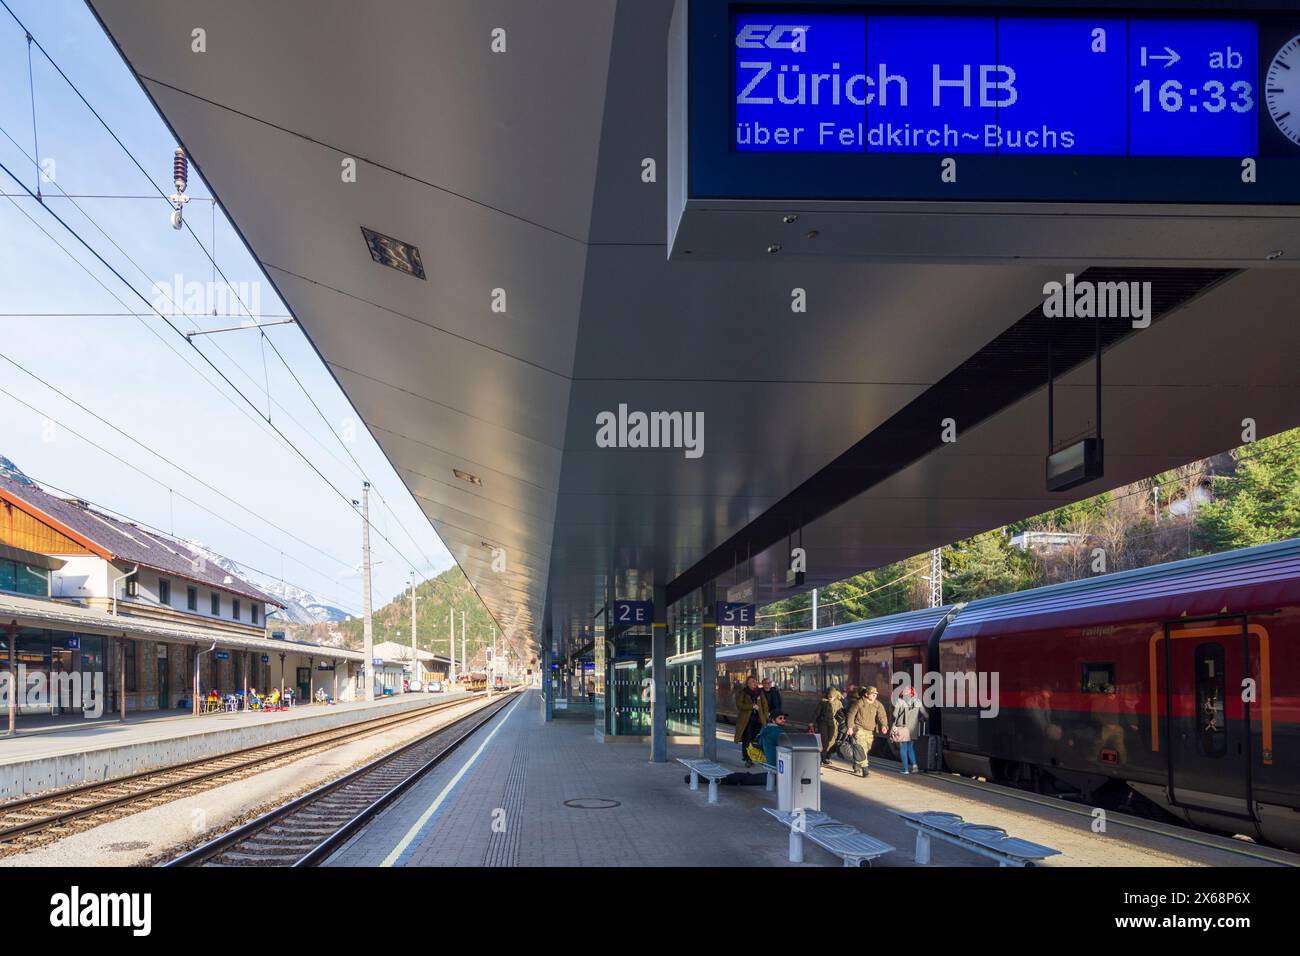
<point>592,803</point>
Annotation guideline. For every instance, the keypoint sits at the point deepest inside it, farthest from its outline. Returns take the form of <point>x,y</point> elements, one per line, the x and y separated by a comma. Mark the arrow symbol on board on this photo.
<point>1170,56</point>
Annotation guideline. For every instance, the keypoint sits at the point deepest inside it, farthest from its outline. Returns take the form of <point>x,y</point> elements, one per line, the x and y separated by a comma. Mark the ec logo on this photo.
<point>756,36</point>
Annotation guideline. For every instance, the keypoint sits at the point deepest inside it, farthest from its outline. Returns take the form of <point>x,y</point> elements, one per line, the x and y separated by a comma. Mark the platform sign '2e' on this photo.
<point>633,613</point>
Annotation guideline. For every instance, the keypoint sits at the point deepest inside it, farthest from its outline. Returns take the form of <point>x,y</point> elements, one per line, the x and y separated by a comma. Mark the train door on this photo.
<point>1207,719</point>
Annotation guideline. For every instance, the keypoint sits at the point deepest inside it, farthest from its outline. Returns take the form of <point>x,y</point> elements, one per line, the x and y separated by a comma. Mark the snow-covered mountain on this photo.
<point>301,607</point>
<point>13,472</point>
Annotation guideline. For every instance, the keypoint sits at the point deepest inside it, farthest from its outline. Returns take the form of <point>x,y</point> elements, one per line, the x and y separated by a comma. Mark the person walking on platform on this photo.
<point>751,714</point>
<point>825,720</point>
<point>908,714</point>
<point>866,718</point>
<point>773,696</point>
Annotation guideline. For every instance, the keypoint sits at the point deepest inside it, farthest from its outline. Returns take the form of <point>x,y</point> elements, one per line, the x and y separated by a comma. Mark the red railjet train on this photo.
<point>1179,682</point>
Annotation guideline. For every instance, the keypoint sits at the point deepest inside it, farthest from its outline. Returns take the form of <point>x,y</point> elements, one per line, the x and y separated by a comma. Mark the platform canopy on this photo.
<point>520,176</point>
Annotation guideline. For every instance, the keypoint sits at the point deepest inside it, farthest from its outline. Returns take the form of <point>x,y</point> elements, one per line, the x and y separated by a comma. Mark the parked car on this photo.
<point>435,687</point>
<point>414,685</point>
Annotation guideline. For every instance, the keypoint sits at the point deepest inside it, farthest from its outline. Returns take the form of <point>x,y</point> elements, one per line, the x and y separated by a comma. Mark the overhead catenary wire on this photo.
<point>257,419</point>
<point>163,458</point>
<point>346,498</point>
<point>163,484</point>
<point>111,268</point>
<point>212,258</point>
<point>846,598</point>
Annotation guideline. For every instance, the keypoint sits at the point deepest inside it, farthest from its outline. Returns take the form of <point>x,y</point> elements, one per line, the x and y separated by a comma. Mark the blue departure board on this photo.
<point>890,83</point>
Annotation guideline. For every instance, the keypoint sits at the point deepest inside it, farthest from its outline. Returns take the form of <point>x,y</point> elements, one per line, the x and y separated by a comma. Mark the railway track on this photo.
<point>306,830</point>
<point>32,821</point>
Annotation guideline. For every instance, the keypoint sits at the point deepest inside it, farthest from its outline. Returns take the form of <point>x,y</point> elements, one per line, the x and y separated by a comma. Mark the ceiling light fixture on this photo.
<point>394,253</point>
<point>466,476</point>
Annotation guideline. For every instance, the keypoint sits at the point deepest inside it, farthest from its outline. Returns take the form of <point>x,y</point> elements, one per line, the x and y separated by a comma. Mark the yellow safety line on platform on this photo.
<point>446,791</point>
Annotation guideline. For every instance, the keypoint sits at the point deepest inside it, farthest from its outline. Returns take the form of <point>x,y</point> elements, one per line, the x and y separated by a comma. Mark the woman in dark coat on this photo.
<point>751,714</point>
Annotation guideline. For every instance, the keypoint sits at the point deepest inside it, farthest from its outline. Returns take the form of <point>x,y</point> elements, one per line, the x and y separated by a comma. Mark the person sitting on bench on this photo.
<point>769,735</point>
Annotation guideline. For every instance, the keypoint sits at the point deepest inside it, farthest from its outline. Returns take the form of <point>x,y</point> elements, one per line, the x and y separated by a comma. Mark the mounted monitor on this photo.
<point>1148,131</point>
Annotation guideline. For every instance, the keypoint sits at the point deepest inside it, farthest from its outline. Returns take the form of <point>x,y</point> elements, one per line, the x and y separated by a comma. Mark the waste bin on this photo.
<point>798,772</point>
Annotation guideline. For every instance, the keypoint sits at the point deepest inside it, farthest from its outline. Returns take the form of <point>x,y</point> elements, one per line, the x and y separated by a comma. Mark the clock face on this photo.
<point>1282,90</point>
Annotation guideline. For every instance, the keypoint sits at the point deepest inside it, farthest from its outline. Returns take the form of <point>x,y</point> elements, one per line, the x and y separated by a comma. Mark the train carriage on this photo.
<point>1179,682</point>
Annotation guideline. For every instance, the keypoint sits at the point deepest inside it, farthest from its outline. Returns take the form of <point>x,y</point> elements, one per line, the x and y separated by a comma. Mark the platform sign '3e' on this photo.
<point>734,614</point>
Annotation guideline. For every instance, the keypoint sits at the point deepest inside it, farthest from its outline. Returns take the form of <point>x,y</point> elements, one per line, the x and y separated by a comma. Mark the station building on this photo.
<point>86,598</point>
<point>396,666</point>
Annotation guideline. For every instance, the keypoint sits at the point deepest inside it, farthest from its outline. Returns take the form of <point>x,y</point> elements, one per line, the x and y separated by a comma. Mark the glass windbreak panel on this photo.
<point>600,653</point>
<point>686,625</point>
<point>627,674</point>
<point>683,698</point>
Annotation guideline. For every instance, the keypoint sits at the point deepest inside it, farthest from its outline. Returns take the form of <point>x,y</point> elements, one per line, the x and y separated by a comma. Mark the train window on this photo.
<point>907,660</point>
<point>1098,678</point>
<point>1211,689</point>
<point>873,669</point>
<point>837,672</point>
<point>809,676</point>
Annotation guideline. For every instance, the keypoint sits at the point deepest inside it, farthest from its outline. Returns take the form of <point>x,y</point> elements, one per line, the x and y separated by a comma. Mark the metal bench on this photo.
<point>848,843</point>
<point>771,776</point>
<point>709,769</point>
<point>992,842</point>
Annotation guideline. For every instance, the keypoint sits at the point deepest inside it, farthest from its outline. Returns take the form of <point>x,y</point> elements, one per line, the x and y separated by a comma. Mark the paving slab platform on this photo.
<point>525,793</point>
<point>65,755</point>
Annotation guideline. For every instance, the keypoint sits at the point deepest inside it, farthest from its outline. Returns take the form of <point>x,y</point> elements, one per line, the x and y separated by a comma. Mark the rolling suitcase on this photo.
<point>928,752</point>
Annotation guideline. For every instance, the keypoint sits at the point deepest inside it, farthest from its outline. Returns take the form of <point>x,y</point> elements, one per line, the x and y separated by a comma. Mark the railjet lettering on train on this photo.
<point>626,429</point>
<point>954,689</point>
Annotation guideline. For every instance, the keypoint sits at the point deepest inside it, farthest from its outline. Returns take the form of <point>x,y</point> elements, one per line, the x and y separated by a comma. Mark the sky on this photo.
<point>68,320</point>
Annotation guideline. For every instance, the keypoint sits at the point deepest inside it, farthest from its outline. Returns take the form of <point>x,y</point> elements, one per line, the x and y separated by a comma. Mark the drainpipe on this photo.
<point>119,580</point>
<point>121,678</point>
<point>197,660</point>
<point>13,678</point>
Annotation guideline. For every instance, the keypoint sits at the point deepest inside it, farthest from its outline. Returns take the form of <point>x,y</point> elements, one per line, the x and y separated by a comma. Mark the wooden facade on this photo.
<point>20,529</point>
